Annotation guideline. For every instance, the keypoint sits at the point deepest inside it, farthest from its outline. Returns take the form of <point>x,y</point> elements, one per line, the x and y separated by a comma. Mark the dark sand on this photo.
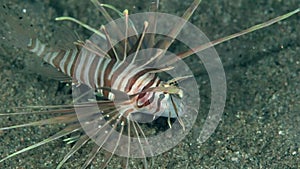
<point>260,124</point>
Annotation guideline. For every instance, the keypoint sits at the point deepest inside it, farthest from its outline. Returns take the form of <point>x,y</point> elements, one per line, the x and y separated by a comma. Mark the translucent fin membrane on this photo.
<point>64,132</point>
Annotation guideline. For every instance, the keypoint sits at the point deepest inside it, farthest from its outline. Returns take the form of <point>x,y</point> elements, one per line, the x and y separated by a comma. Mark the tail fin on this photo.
<point>21,28</point>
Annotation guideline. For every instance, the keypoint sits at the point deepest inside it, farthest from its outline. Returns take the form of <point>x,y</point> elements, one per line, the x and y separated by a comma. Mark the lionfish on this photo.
<point>122,78</point>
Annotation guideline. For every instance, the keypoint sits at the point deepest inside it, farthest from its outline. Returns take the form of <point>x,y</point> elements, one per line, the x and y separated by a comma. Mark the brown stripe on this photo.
<point>146,87</point>
<point>73,64</point>
<point>128,102</point>
<point>33,43</point>
<point>158,104</point>
<point>107,82</point>
<point>134,78</point>
<point>92,71</point>
<point>58,58</point>
<point>43,54</point>
<point>129,111</point>
<point>65,68</point>
<point>149,101</point>
<point>151,83</point>
<point>118,72</point>
<point>82,74</point>
<point>101,67</point>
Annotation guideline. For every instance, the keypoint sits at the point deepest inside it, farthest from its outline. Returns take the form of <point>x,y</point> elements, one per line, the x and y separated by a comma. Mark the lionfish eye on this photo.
<point>175,83</point>
<point>161,96</point>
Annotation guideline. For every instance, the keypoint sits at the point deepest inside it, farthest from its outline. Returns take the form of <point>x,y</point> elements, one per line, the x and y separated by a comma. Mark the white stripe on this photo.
<point>79,64</point>
<point>106,62</point>
<point>165,107</point>
<point>37,46</point>
<point>86,74</point>
<point>141,82</point>
<point>30,42</point>
<point>101,92</point>
<point>111,96</point>
<point>71,62</point>
<point>96,75</point>
<point>154,102</point>
<point>63,61</point>
<point>129,74</point>
<point>47,57</point>
<point>115,67</point>
<point>123,78</point>
<point>125,108</point>
<point>52,57</point>
<point>41,50</point>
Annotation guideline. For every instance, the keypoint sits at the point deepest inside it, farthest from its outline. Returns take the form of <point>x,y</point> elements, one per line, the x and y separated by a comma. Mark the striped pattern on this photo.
<point>63,60</point>
<point>95,71</point>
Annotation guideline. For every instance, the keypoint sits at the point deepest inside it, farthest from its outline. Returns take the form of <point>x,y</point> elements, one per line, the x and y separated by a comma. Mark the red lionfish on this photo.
<point>125,89</point>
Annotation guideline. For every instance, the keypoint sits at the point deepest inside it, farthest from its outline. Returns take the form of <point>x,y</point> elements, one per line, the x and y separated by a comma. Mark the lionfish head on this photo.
<point>164,100</point>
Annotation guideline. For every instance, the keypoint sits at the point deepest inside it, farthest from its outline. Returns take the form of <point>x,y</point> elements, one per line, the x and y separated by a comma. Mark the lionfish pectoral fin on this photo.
<point>169,39</point>
<point>119,96</point>
<point>129,141</point>
<point>177,114</point>
<point>68,130</point>
<point>72,139</point>
<point>136,128</point>
<point>181,123</point>
<point>115,148</point>
<point>93,134</point>
<point>104,138</point>
<point>68,118</point>
<point>79,143</point>
<point>91,156</point>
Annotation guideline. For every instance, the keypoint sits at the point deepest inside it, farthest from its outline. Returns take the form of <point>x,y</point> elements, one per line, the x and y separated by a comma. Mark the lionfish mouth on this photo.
<point>125,77</point>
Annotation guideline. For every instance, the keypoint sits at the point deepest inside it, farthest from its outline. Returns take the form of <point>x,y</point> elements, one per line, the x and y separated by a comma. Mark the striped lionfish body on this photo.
<point>127,86</point>
<point>106,74</point>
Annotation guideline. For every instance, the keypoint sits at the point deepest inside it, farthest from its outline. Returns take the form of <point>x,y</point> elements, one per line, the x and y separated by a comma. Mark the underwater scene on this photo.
<point>149,84</point>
